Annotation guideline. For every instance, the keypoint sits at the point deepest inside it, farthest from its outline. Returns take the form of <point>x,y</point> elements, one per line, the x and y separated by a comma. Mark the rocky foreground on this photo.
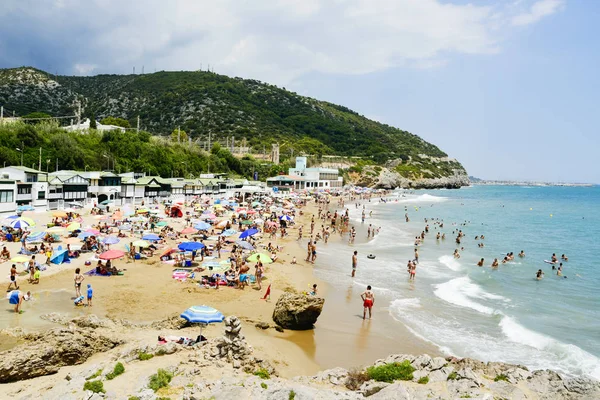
<point>90,349</point>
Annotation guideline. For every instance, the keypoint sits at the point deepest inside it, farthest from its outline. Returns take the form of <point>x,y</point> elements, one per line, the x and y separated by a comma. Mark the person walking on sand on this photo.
<point>13,278</point>
<point>368,299</point>
<point>354,262</point>
<point>314,252</point>
<point>78,278</point>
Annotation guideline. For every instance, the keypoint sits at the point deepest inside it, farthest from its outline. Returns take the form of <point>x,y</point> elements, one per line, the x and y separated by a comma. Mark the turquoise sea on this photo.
<point>492,315</point>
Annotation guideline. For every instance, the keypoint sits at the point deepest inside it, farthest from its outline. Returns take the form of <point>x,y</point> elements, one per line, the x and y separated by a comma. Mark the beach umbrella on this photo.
<point>141,243</point>
<point>111,254</point>
<point>85,235</point>
<point>93,231</point>
<point>188,230</point>
<point>264,258</point>
<point>247,222</point>
<point>208,216</point>
<point>143,211</point>
<point>106,202</point>
<point>101,207</point>
<point>162,223</point>
<point>55,229</point>
<point>286,218</point>
<point>244,245</point>
<point>251,212</point>
<point>19,259</point>
<point>271,223</point>
<point>248,232</point>
<point>259,221</point>
<point>125,227</point>
<point>202,315</point>
<point>72,240</point>
<point>25,208</point>
<point>59,214</point>
<point>117,215</point>
<point>151,236</point>
<point>228,232</point>
<point>222,224</point>
<point>73,226</point>
<point>202,226</point>
<point>256,204</point>
<point>190,246</point>
<point>22,223</point>
<point>111,240</point>
<point>35,237</point>
<point>211,263</point>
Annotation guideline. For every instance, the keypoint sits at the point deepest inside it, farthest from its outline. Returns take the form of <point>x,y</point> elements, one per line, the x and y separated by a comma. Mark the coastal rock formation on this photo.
<point>297,311</point>
<point>44,354</point>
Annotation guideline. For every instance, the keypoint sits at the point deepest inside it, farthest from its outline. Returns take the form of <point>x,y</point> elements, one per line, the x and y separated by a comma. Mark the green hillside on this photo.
<point>204,102</point>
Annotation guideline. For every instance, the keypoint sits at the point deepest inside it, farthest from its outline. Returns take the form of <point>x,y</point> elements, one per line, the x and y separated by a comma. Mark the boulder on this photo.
<point>395,391</point>
<point>297,311</point>
<point>44,354</point>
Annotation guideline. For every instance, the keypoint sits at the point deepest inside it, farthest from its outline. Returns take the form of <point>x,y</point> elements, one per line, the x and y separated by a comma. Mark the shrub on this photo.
<point>292,395</point>
<point>262,373</point>
<point>95,375</point>
<point>424,380</point>
<point>501,377</point>
<point>453,376</point>
<point>263,385</point>
<point>133,398</point>
<point>118,370</point>
<point>161,379</point>
<point>145,356</point>
<point>94,386</point>
<point>392,372</point>
<point>355,379</point>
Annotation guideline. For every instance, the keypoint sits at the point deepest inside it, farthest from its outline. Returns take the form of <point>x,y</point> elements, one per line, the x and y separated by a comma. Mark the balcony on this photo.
<point>104,189</point>
<point>24,197</point>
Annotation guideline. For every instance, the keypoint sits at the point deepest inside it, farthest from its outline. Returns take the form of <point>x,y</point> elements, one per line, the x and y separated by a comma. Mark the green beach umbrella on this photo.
<point>264,258</point>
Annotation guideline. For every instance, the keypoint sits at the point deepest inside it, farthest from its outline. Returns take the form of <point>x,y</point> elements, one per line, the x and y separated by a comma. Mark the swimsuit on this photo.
<point>368,303</point>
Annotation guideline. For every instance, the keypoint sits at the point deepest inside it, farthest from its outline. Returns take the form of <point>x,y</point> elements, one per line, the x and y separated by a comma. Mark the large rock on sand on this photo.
<point>297,311</point>
<point>45,353</point>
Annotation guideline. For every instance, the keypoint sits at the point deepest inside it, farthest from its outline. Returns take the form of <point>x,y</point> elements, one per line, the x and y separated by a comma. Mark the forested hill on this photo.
<point>204,102</point>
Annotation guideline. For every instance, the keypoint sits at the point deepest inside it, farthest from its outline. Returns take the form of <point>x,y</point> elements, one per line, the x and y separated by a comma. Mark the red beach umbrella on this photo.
<point>112,254</point>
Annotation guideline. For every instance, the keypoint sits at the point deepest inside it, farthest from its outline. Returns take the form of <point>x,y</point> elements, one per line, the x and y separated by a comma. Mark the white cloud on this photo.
<point>538,10</point>
<point>273,40</point>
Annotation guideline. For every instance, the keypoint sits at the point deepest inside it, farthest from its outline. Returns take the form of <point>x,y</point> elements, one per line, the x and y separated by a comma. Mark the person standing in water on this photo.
<point>368,299</point>
<point>16,297</point>
<point>354,262</point>
<point>13,278</point>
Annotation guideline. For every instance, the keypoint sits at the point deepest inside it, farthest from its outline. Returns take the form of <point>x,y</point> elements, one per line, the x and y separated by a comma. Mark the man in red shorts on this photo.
<point>368,300</point>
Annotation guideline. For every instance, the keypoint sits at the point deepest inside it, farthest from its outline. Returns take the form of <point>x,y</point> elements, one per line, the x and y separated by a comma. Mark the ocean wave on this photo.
<point>450,262</point>
<point>423,198</point>
<point>411,302</point>
<point>461,291</point>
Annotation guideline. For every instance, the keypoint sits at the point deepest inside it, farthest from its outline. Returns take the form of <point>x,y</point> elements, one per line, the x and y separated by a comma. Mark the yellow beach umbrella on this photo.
<point>142,211</point>
<point>265,259</point>
<point>55,229</point>
<point>59,214</point>
<point>141,243</point>
<point>73,226</point>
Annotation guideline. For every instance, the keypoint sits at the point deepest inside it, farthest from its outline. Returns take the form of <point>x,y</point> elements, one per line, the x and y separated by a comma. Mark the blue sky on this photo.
<point>509,88</point>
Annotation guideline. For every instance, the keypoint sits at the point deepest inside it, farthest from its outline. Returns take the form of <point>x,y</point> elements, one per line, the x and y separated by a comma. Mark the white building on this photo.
<point>103,185</point>
<point>31,184</point>
<point>8,188</point>
<point>316,178</point>
<point>85,125</point>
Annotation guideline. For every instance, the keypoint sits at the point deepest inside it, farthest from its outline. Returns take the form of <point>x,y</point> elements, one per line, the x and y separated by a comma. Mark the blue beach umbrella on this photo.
<point>202,315</point>
<point>286,218</point>
<point>25,208</point>
<point>111,240</point>
<point>248,232</point>
<point>228,232</point>
<point>85,235</point>
<point>151,236</point>
<point>244,245</point>
<point>202,226</point>
<point>190,246</point>
<point>21,223</point>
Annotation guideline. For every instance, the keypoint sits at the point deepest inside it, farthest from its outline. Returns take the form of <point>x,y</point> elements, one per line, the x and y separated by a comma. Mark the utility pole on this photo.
<point>56,164</point>
<point>1,114</point>
<point>22,151</point>
<point>138,124</point>
<point>40,161</point>
<point>134,70</point>
<point>232,144</point>
<point>178,135</point>
<point>78,114</point>
<point>209,147</point>
<point>142,70</point>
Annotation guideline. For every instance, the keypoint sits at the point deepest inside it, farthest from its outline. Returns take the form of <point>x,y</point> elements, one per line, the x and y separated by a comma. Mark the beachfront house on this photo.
<point>103,185</point>
<point>317,178</point>
<point>32,185</point>
<point>130,191</point>
<point>66,187</point>
<point>286,183</point>
<point>155,186</point>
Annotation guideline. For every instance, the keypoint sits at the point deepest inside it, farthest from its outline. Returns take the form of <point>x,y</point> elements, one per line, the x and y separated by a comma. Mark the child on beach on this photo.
<point>368,299</point>
<point>90,293</point>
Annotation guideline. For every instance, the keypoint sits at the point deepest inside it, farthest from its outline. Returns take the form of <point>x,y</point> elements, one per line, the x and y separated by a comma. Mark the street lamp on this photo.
<point>108,158</point>
<point>185,170</point>
<point>21,150</point>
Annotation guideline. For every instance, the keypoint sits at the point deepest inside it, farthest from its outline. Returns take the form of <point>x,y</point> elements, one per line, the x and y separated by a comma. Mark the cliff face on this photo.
<point>418,173</point>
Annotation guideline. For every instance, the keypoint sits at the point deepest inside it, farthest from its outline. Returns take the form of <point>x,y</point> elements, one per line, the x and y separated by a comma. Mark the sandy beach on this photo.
<point>147,292</point>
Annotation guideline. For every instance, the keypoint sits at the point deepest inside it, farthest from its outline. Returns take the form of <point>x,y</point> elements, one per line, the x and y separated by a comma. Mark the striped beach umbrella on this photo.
<point>22,223</point>
<point>202,315</point>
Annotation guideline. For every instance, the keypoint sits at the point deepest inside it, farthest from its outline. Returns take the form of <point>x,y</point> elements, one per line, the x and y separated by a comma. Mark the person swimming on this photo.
<point>564,258</point>
<point>495,263</point>
<point>539,274</point>
<point>522,254</point>
<point>480,263</point>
